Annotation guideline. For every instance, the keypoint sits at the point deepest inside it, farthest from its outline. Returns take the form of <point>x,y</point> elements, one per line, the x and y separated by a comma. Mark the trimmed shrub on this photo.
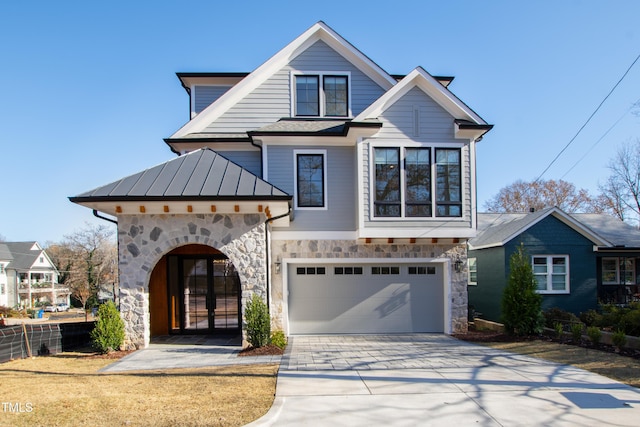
<point>258,322</point>
<point>576,332</point>
<point>555,314</point>
<point>630,322</point>
<point>521,304</point>
<point>108,334</point>
<point>619,339</point>
<point>590,317</point>
<point>594,334</point>
<point>278,339</point>
<point>558,329</point>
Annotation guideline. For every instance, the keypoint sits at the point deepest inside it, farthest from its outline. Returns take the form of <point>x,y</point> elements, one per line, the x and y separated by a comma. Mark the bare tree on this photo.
<point>86,259</point>
<point>523,196</point>
<point>621,191</point>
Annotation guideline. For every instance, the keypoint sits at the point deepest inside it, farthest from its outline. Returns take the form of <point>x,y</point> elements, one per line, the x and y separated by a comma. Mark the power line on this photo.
<point>588,120</point>
<point>602,137</point>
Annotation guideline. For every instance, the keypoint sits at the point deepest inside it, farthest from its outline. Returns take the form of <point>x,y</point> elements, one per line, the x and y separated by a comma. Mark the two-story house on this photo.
<point>340,193</point>
<point>5,259</point>
<point>28,277</point>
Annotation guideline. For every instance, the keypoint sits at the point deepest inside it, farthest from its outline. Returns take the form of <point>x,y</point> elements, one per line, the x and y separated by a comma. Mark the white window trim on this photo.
<point>320,74</point>
<point>549,290</point>
<point>619,279</point>
<point>324,180</point>
<point>403,146</point>
<point>469,262</point>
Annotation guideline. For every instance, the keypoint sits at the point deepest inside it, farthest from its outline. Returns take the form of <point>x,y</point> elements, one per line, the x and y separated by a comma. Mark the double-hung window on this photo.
<point>310,179</point>
<point>551,273</point>
<point>321,95</point>
<point>404,184</point>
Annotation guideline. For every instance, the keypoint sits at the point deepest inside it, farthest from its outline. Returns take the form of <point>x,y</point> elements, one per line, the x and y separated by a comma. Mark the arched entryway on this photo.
<point>194,289</point>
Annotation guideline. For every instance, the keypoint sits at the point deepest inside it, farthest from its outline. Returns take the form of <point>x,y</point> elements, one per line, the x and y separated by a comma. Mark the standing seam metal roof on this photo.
<point>201,173</point>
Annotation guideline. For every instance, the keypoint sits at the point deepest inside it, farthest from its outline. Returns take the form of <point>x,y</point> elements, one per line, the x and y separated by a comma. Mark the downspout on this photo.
<point>261,160</point>
<point>95,213</point>
<point>266,244</point>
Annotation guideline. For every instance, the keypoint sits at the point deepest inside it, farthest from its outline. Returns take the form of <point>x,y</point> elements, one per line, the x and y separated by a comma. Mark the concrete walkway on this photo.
<point>435,380</point>
<point>187,352</point>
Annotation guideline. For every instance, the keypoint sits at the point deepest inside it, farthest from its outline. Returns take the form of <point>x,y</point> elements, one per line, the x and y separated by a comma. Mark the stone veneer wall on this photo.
<point>340,249</point>
<point>144,239</point>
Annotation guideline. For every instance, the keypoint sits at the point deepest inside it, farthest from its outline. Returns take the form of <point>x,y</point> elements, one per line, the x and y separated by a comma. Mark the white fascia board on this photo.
<point>423,80</point>
<point>562,217</point>
<point>319,31</point>
<point>417,233</point>
<point>580,228</point>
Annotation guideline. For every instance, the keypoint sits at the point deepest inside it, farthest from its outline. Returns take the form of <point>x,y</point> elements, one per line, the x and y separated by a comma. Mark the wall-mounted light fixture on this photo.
<point>458,265</point>
<point>278,265</point>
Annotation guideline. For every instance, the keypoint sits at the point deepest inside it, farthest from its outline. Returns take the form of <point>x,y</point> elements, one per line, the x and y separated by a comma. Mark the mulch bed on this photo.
<point>492,336</point>
<point>267,350</point>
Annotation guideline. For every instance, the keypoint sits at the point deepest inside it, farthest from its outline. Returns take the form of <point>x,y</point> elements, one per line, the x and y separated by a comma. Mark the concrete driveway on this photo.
<point>435,380</point>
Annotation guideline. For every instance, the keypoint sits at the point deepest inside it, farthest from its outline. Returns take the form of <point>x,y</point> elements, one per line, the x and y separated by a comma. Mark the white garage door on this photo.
<point>365,298</point>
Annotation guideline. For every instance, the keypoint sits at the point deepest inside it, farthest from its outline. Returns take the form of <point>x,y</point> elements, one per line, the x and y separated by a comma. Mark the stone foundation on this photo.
<point>144,239</point>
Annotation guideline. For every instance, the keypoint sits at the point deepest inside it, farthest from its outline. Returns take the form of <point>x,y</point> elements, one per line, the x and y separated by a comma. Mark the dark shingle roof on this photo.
<point>201,174</point>
<point>5,253</point>
<point>23,256</point>
<point>498,228</point>
<point>315,127</point>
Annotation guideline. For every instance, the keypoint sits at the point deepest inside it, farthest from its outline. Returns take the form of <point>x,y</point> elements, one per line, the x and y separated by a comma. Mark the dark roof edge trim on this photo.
<point>345,131</point>
<point>206,139</point>
<point>92,199</point>
<point>211,74</point>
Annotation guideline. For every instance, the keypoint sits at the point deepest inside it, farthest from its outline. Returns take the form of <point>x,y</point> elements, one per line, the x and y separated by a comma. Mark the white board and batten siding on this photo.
<point>377,296</point>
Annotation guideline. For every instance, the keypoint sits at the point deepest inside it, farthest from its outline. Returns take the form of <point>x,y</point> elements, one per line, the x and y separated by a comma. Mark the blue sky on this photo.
<point>88,89</point>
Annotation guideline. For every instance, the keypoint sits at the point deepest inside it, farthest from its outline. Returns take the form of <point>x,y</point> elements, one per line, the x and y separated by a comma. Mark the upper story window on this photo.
<point>321,95</point>
<point>448,182</point>
<point>310,179</point>
<point>552,273</point>
<point>616,271</point>
<point>404,186</point>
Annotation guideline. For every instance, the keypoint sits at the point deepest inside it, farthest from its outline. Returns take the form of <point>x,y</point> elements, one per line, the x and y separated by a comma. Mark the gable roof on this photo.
<point>613,229</point>
<point>200,175</point>
<point>497,229</point>
<point>467,122</point>
<point>24,254</point>
<point>5,253</point>
<point>319,31</point>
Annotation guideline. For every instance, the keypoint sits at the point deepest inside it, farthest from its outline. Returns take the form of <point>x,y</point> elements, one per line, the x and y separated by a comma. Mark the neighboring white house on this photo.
<point>340,193</point>
<point>30,276</point>
<point>5,259</point>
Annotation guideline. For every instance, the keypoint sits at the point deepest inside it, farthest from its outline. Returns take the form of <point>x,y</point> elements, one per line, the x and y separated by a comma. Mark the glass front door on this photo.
<point>204,294</point>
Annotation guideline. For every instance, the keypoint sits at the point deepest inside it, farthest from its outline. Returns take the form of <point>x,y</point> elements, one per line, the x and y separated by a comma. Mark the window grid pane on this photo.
<point>418,182</point>
<point>387,201</point>
<point>335,95</point>
<point>307,96</point>
<point>310,180</point>
<point>448,183</point>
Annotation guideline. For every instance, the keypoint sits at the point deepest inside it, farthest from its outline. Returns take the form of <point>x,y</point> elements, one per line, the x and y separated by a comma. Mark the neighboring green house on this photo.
<point>578,259</point>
